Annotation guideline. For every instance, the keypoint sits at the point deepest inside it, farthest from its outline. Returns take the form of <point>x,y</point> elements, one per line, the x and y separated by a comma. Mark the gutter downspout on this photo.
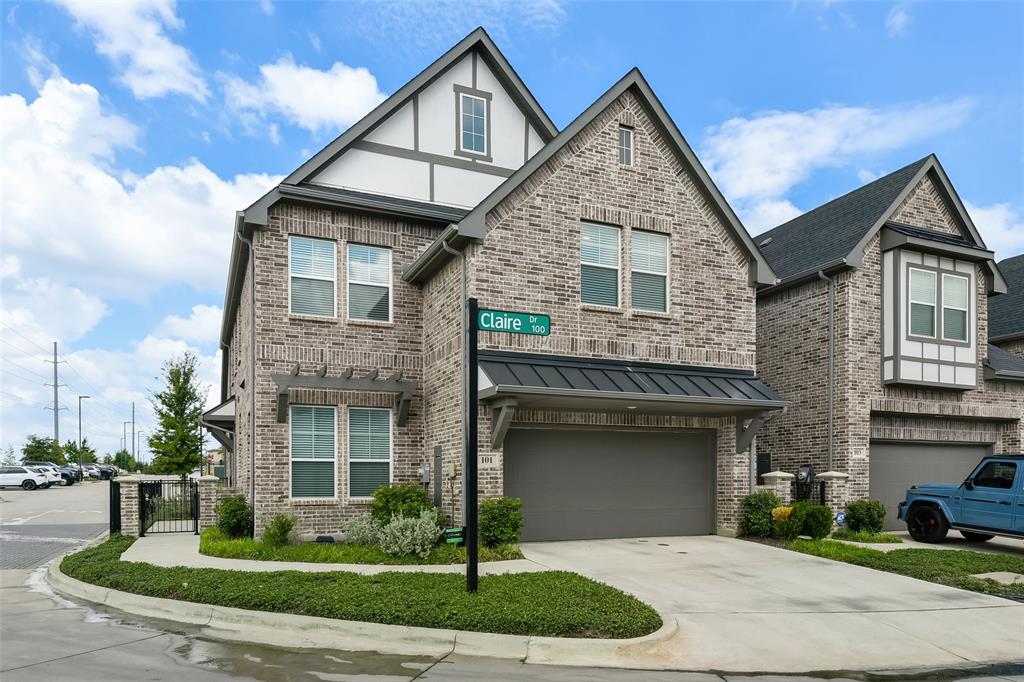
<point>464,375</point>
<point>831,358</point>
<point>252,372</point>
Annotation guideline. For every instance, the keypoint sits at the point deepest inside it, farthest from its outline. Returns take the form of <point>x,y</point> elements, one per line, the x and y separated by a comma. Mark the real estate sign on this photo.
<point>513,323</point>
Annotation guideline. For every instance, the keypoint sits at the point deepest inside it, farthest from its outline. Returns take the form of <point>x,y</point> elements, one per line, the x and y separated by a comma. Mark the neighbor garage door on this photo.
<point>588,484</point>
<point>895,467</point>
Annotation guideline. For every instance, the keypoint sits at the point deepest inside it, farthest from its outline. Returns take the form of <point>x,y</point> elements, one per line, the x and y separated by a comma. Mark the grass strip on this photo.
<point>549,603</point>
<point>865,536</point>
<point>213,542</point>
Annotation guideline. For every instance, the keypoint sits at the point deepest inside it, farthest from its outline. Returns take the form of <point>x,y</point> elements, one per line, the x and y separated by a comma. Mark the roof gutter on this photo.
<point>319,197</point>
<point>1014,336</point>
<point>436,255</point>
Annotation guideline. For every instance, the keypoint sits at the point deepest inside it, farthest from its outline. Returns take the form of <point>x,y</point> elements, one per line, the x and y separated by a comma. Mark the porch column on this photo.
<point>780,483</point>
<point>129,505</point>
<point>836,489</point>
<point>209,496</point>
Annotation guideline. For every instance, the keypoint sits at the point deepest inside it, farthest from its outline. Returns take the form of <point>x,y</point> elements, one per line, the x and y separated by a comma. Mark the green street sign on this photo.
<point>513,323</point>
<point>454,536</point>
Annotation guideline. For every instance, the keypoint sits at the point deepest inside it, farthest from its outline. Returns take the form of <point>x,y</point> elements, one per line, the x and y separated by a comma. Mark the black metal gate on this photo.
<point>115,507</point>
<point>168,507</point>
<point>813,492</point>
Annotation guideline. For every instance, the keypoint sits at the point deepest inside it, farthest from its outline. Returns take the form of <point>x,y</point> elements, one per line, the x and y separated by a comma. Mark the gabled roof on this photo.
<point>1001,365</point>
<point>835,234</point>
<point>1006,312</point>
<point>473,227</point>
<point>477,40</point>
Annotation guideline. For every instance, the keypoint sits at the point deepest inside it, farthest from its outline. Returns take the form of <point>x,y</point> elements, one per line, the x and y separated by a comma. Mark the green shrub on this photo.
<point>234,517</point>
<point>276,534</point>
<point>817,521</point>
<point>866,515</point>
<point>501,521</point>
<point>756,519</point>
<point>405,536</point>
<point>408,500</point>
<point>362,530</point>
<point>789,526</point>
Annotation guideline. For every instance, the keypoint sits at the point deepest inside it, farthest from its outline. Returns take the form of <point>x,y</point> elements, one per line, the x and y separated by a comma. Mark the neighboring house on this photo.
<point>634,417</point>
<point>1006,313</point>
<point>897,276</point>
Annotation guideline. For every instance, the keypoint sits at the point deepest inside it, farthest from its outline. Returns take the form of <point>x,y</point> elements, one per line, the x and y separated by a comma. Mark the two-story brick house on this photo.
<point>877,334</point>
<point>344,354</point>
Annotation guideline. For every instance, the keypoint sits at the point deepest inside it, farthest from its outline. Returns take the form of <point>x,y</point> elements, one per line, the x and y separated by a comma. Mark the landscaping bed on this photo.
<point>549,603</point>
<point>865,537</point>
<point>944,566</point>
<point>214,542</point>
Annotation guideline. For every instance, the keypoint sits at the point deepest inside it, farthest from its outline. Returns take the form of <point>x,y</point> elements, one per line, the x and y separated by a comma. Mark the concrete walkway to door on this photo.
<point>743,606</point>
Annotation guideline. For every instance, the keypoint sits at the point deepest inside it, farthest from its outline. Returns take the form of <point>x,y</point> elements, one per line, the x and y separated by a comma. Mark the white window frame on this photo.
<point>617,269</point>
<point>966,311</point>
<point>348,450</point>
<point>349,281</point>
<point>911,302</point>
<point>462,99</point>
<point>333,279</point>
<point>631,148</point>
<point>666,274</point>
<point>291,421</point>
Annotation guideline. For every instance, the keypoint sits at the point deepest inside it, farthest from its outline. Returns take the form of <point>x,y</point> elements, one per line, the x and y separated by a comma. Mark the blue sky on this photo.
<point>133,131</point>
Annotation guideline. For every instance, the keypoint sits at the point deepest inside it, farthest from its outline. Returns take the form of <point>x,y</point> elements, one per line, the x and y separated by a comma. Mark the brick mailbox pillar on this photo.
<point>129,505</point>
<point>836,489</point>
<point>780,483</point>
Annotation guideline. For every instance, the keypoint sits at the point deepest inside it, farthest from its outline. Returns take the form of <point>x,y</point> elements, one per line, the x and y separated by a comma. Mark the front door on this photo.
<point>990,502</point>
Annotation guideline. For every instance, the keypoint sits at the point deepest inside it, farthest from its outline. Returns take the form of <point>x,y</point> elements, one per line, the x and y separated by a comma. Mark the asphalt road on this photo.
<point>46,638</point>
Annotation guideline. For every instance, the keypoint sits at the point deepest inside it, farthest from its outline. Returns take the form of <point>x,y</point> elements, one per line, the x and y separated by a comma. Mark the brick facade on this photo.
<point>1015,347</point>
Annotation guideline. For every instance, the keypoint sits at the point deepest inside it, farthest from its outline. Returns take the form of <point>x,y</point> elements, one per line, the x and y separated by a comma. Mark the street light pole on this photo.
<point>80,434</point>
<point>124,434</point>
<point>138,444</point>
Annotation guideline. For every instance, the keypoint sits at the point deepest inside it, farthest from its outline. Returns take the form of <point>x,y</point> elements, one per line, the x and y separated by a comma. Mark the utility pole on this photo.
<point>80,433</point>
<point>124,435</point>
<point>139,438</point>
<point>56,398</point>
<point>133,429</point>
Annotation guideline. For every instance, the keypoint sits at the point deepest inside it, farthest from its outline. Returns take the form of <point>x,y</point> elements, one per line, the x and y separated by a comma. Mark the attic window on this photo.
<point>625,146</point>
<point>473,116</point>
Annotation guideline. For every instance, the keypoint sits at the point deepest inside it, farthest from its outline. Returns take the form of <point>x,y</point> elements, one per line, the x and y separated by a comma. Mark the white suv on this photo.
<point>23,477</point>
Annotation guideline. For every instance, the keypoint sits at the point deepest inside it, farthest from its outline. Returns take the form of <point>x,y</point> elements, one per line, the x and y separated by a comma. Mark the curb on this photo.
<point>295,631</point>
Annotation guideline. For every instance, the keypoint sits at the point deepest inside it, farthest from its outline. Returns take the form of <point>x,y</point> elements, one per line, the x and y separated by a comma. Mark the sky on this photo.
<point>132,132</point>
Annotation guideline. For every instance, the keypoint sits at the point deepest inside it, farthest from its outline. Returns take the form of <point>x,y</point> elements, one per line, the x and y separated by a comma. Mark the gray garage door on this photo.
<point>897,466</point>
<point>589,484</point>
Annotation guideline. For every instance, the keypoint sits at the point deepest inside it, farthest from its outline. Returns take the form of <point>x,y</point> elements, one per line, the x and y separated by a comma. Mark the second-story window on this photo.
<point>922,302</point>
<point>649,271</point>
<point>625,146</point>
<point>955,307</point>
<point>312,270</point>
<point>369,283</point>
<point>599,264</point>
<point>473,117</point>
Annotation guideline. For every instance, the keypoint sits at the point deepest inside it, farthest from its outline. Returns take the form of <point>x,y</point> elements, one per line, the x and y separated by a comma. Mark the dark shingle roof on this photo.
<point>933,235</point>
<point>1004,362</point>
<point>1006,312</point>
<point>831,231</point>
<point>390,203</point>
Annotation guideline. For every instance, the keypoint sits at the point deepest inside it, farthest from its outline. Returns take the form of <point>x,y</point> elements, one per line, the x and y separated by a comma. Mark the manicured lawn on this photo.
<point>865,536</point>
<point>550,603</point>
<point>213,543</point>
<point>947,567</point>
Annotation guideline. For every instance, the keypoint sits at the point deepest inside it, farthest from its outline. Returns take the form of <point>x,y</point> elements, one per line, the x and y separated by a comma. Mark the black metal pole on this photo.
<point>470,498</point>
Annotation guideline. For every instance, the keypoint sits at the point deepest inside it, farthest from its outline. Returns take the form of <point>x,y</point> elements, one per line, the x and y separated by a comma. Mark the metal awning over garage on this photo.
<point>553,382</point>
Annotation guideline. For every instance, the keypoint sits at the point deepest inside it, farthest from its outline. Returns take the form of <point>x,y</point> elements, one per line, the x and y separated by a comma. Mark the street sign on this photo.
<point>454,536</point>
<point>514,323</point>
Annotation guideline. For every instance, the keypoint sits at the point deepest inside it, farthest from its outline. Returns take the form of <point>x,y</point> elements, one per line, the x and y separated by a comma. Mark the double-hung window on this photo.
<point>473,117</point>
<point>369,450</point>
<point>599,264</point>
<point>955,306</point>
<point>312,269</point>
<point>923,296</point>
<point>313,429</point>
<point>625,146</point>
<point>369,283</point>
<point>649,270</point>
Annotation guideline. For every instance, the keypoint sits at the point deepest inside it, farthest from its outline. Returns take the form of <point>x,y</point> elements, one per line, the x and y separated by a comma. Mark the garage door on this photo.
<point>895,467</point>
<point>589,484</point>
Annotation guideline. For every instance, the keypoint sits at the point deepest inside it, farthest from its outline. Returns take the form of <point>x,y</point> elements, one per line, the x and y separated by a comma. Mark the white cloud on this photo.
<point>1001,226</point>
<point>759,159</point>
<point>42,307</point>
<point>897,21</point>
<point>267,7</point>
<point>307,97</point>
<point>866,176</point>
<point>314,40</point>
<point>133,35</point>
<point>202,325</point>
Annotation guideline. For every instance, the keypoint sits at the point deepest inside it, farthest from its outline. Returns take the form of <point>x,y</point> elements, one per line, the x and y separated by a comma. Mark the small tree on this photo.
<point>107,459</point>
<point>177,441</point>
<point>9,457</point>
<point>123,460</point>
<point>88,452</point>
<point>38,449</point>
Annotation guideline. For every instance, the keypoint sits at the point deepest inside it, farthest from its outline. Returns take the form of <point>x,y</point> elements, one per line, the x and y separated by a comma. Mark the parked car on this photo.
<point>51,472</point>
<point>22,477</point>
<point>70,474</point>
<point>107,472</point>
<point>989,502</point>
<point>91,470</point>
<point>62,477</point>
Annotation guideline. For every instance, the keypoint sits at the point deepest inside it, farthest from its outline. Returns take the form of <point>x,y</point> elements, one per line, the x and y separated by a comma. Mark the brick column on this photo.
<point>210,494</point>
<point>780,483</point>
<point>836,489</point>
<point>129,505</point>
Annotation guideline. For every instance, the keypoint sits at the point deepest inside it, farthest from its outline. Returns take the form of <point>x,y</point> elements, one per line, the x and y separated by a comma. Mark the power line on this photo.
<point>24,369</point>
<point>34,343</point>
<point>18,348</point>
<point>21,400</point>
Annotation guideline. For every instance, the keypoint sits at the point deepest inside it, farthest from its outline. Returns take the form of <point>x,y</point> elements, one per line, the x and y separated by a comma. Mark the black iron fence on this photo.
<point>168,507</point>
<point>115,506</point>
<point>813,492</point>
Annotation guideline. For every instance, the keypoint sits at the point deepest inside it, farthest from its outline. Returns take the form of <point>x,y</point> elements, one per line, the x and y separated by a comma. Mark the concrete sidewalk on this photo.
<point>182,549</point>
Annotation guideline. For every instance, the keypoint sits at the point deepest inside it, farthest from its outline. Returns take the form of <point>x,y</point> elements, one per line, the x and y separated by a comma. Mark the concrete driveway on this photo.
<point>747,607</point>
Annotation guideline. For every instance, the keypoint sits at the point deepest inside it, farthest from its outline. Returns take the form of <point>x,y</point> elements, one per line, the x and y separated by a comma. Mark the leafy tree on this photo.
<point>177,441</point>
<point>9,457</point>
<point>107,459</point>
<point>38,449</point>
<point>123,460</point>
<point>88,452</point>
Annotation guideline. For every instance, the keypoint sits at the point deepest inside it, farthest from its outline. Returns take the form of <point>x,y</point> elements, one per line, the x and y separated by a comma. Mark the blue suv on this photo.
<point>989,502</point>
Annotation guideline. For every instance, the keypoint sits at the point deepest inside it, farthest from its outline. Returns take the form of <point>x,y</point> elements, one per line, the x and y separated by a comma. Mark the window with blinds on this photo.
<point>369,283</point>
<point>312,450</point>
<point>625,146</point>
<point>369,450</point>
<point>955,305</point>
<point>922,302</point>
<point>649,270</point>
<point>312,269</point>
<point>599,264</point>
